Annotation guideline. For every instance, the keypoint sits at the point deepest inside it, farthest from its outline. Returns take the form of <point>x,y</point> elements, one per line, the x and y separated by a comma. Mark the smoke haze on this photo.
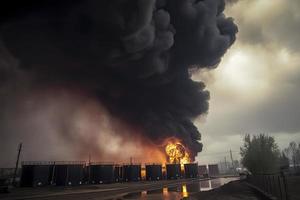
<point>131,58</point>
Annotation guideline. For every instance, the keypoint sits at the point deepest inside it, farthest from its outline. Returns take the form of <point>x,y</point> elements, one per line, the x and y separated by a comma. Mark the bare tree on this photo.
<point>293,152</point>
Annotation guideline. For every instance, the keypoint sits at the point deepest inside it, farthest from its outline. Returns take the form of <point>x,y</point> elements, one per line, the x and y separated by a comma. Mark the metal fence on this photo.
<point>53,163</point>
<point>274,185</point>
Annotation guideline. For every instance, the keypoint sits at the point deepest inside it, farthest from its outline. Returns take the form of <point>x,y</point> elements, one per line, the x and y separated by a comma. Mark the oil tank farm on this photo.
<point>191,170</point>
<point>202,171</point>
<point>36,174</point>
<point>68,173</point>
<point>213,170</point>
<point>153,172</point>
<point>131,172</point>
<point>173,171</point>
<point>76,173</point>
<point>101,173</point>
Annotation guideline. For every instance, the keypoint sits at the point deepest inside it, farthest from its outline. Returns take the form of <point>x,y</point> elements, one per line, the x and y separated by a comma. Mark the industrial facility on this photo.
<point>52,173</point>
<point>37,174</point>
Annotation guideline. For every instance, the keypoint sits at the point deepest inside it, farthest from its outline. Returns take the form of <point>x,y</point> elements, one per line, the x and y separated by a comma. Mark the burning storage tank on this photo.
<point>68,173</point>
<point>101,173</point>
<point>191,170</point>
<point>202,171</point>
<point>131,172</point>
<point>213,170</point>
<point>176,152</point>
<point>36,174</point>
<point>153,172</point>
<point>173,171</point>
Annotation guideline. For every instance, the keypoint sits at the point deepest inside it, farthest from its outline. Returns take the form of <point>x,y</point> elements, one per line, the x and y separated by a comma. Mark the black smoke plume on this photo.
<point>134,55</point>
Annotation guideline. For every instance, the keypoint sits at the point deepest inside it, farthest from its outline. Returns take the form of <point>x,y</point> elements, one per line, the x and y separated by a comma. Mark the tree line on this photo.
<point>261,154</point>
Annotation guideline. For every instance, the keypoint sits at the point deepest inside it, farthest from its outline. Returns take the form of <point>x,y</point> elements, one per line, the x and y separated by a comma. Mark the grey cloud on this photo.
<point>281,25</point>
<point>278,112</point>
<point>277,109</point>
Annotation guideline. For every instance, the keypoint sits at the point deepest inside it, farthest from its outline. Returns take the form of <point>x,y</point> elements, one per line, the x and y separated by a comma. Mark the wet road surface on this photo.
<point>175,189</point>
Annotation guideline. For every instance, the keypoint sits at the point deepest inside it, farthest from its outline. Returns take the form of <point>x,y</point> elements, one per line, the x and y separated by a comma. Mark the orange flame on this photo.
<point>177,153</point>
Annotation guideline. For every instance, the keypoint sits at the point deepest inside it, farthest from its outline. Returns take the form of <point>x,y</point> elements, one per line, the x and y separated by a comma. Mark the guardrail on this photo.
<point>275,185</point>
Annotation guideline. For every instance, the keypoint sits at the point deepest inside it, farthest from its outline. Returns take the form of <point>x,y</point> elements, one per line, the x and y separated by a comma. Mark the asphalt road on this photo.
<point>92,192</point>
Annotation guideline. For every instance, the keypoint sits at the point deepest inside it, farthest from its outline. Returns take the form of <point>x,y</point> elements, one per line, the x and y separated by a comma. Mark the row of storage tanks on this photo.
<point>36,174</point>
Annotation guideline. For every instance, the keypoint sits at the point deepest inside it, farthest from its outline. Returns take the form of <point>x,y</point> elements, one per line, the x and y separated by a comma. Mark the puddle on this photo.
<point>214,183</point>
<point>181,191</point>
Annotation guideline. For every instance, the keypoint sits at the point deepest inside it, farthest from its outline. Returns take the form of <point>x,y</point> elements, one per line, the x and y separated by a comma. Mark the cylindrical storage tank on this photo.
<point>27,176</point>
<point>202,171</point>
<point>68,173</point>
<point>86,174</point>
<point>35,174</point>
<point>153,172</point>
<point>173,171</point>
<point>131,172</point>
<point>213,170</point>
<point>118,173</point>
<point>191,170</point>
<point>101,173</point>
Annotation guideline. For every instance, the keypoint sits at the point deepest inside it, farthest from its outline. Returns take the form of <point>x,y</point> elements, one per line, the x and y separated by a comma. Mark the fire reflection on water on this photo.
<point>172,193</point>
<point>184,191</point>
<point>165,191</point>
<point>144,195</point>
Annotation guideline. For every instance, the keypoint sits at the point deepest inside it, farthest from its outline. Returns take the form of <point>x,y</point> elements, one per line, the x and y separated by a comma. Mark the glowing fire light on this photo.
<point>177,153</point>
<point>185,193</point>
<point>165,191</point>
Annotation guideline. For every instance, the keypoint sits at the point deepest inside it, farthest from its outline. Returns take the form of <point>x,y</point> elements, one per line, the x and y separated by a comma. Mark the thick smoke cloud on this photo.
<point>134,55</point>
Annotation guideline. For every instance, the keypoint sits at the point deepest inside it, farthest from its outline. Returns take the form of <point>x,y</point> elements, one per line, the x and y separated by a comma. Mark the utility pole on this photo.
<point>17,164</point>
<point>90,158</point>
<point>231,159</point>
<point>53,174</point>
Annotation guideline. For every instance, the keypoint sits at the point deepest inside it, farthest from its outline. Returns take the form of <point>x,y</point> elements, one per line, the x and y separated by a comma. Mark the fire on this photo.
<point>177,153</point>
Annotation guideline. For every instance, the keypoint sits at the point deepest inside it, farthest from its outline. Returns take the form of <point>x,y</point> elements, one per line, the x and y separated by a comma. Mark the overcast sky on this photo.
<point>256,87</point>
